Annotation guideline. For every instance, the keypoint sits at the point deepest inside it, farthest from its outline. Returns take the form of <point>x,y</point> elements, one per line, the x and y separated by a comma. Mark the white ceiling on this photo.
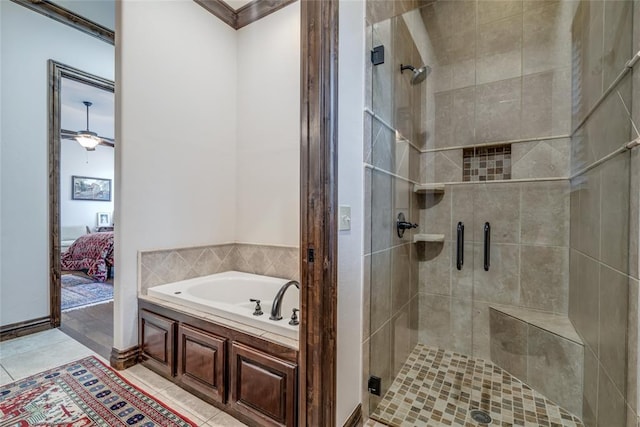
<point>101,12</point>
<point>73,115</point>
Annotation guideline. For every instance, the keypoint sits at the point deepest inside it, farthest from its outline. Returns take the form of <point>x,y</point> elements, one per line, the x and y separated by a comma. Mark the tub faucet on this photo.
<point>277,301</point>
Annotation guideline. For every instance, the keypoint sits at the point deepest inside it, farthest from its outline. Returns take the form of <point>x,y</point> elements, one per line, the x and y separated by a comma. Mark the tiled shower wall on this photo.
<point>166,266</point>
<point>603,277</point>
<point>501,75</point>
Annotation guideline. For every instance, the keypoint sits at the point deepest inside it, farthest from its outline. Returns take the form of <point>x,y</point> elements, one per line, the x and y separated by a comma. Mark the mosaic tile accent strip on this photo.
<point>440,388</point>
<point>166,266</point>
<point>487,163</point>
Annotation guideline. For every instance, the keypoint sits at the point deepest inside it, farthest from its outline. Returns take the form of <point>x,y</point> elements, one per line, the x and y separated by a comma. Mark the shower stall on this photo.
<point>500,251</point>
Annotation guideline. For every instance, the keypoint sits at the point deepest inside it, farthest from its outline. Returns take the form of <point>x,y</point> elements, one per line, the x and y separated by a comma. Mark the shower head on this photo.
<point>419,74</point>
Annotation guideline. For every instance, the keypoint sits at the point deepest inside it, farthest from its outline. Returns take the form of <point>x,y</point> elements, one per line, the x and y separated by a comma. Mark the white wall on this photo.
<point>176,126</point>
<point>75,160</point>
<point>268,146</point>
<point>27,41</point>
<point>350,192</point>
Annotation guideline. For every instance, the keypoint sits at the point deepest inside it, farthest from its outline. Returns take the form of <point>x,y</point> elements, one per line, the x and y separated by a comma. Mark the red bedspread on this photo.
<point>91,252</point>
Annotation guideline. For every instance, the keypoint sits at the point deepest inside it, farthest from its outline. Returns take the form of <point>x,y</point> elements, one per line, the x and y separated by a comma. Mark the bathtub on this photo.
<point>227,295</point>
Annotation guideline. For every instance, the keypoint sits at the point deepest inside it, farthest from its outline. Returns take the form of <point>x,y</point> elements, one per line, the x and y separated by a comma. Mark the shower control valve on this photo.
<point>402,225</point>
<point>294,317</point>
<point>258,310</point>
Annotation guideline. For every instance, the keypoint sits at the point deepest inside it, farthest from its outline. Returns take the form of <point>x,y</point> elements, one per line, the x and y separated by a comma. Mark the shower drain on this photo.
<point>480,416</point>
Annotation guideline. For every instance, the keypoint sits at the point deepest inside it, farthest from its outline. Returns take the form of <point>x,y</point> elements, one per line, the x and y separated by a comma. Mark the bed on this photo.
<point>90,253</point>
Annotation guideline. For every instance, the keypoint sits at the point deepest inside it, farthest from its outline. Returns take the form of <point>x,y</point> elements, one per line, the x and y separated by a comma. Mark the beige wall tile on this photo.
<point>380,289</point>
<point>435,268</point>
<point>618,21</point>
<point>366,297</point>
<point>508,337</point>
<point>381,211</point>
<point>498,108</point>
<point>461,339</point>
<point>401,339</point>
<point>493,10</point>
<point>589,211</point>
<point>554,367</point>
<point>481,330</point>
<point>380,354</point>
<point>441,166</point>
<point>590,388</point>
<point>435,320</point>
<point>611,407</point>
<point>614,294</point>
<point>546,43</point>
<point>540,159</point>
<point>614,221</point>
<point>499,48</point>
<point>498,204</point>
<point>400,280</point>
<point>632,346</point>
<point>501,284</point>
<point>545,213</point>
<point>544,278</point>
<point>588,302</point>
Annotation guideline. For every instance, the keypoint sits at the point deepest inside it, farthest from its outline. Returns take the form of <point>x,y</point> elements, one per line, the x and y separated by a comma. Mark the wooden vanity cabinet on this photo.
<point>157,339</point>
<point>263,385</point>
<point>251,378</point>
<point>201,362</point>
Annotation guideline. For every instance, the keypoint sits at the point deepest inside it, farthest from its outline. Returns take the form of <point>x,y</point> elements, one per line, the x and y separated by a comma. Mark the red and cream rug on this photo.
<point>82,393</point>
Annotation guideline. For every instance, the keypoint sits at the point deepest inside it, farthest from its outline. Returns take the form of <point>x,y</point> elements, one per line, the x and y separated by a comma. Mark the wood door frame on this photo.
<point>58,71</point>
<point>318,203</point>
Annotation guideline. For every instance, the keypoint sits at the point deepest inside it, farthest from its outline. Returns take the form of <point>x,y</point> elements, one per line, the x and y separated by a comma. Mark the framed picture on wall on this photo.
<point>87,188</point>
<point>104,219</point>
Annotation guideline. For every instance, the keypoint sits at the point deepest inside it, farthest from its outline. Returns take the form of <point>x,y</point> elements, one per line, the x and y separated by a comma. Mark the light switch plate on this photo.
<point>344,218</point>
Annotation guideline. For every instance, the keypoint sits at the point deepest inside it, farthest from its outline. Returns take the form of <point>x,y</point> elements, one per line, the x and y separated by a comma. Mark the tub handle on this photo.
<point>294,317</point>
<point>258,310</point>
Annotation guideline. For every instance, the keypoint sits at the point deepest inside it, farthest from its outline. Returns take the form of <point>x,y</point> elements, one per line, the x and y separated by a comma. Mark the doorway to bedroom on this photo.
<point>82,205</point>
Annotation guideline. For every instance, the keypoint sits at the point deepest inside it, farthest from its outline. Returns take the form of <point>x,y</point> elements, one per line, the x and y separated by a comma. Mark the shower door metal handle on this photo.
<point>487,246</point>
<point>460,246</point>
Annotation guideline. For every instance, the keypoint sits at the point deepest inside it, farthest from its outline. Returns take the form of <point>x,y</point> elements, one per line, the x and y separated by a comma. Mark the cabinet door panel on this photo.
<point>263,386</point>
<point>157,338</point>
<point>201,362</point>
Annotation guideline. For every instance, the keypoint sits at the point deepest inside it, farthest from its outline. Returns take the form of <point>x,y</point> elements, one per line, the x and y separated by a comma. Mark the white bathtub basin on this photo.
<point>227,295</point>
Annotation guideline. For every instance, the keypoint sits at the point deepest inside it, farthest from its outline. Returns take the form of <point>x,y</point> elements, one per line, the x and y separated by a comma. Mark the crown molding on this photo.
<point>69,18</point>
<point>247,14</point>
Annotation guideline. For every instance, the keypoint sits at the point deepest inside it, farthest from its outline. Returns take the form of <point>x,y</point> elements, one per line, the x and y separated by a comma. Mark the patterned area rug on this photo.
<point>80,291</point>
<point>82,393</point>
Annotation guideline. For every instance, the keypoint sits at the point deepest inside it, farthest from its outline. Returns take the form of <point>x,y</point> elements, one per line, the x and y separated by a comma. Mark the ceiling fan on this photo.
<point>89,140</point>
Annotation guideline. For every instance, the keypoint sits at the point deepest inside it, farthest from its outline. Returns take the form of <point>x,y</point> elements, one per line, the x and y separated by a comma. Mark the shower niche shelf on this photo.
<point>428,188</point>
<point>428,238</point>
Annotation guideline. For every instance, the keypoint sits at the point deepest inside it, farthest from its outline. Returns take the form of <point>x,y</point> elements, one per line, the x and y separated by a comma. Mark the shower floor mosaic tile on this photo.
<point>440,388</point>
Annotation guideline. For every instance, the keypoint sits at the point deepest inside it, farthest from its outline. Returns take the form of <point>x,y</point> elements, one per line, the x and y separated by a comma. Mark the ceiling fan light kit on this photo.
<point>87,139</point>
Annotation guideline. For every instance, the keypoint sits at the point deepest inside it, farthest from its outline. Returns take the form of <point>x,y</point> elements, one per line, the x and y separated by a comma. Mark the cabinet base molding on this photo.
<point>123,359</point>
<point>355,419</point>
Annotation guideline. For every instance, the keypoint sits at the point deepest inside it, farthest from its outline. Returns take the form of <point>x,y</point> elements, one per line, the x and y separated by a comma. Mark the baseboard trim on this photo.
<point>355,419</point>
<point>123,359</point>
<point>27,327</point>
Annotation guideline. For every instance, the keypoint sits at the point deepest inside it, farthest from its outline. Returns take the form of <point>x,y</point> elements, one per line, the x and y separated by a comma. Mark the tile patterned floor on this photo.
<point>34,353</point>
<point>439,388</point>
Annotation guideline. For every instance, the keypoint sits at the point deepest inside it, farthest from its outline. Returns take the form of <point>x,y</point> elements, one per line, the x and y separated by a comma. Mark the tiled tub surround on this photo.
<point>603,289</point>
<point>171,265</point>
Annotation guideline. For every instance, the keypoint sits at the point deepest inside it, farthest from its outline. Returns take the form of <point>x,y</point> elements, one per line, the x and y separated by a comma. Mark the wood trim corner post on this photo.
<point>318,201</point>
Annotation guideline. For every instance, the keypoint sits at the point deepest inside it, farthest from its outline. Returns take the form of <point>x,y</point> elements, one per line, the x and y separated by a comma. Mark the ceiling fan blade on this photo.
<point>67,134</point>
<point>108,140</point>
